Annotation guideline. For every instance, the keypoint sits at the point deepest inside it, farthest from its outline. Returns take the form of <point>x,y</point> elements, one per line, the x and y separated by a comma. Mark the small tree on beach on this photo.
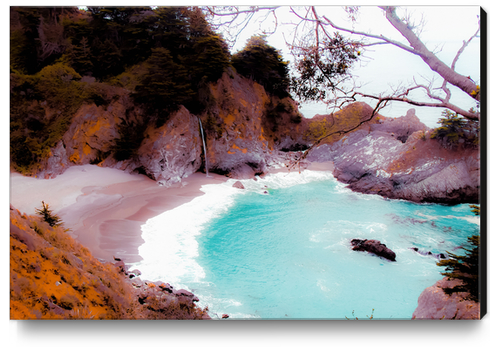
<point>48,215</point>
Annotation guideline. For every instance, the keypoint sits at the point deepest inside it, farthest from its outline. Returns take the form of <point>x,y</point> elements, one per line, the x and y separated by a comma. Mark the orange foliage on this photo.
<point>54,277</point>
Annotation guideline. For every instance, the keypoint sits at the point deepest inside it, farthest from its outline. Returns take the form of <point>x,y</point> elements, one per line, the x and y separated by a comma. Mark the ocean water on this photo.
<point>280,249</point>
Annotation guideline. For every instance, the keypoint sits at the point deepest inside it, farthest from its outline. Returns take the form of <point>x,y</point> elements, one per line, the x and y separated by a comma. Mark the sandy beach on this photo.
<point>104,208</point>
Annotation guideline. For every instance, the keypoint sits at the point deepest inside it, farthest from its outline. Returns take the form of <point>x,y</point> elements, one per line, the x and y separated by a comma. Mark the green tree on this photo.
<point>165,87</point>
<point>263,63</point>
<point>322,67</point>
<point>24,39</point>
<point>48,215</point>
<point>456,130</point>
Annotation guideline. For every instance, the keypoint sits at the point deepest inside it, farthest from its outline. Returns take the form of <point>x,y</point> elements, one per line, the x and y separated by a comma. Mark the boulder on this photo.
<point>374,247</point>
<point>238,185</point>
<point>171,152</point>
<point>185,295</point>
<point>236,144</point>
<point>401,127</point>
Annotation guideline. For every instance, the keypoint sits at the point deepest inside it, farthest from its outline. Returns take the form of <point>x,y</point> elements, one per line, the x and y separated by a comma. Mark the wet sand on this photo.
<point>104,208</point>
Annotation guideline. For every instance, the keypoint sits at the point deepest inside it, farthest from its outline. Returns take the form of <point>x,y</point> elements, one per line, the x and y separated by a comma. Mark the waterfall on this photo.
<point>204,146</point>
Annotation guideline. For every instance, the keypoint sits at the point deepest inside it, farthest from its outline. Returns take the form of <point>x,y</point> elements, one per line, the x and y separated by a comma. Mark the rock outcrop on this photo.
<point>244,128</point>
<point>235,139</point>
<point>419,169</point>
<point>170,152</point>
<point>374,247</point>
<point>433,303</point>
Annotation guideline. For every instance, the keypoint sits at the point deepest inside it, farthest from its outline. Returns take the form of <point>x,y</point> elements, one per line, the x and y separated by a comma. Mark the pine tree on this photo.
<point>48,216</point>
<point>263,63</point>
<point>166,85</point>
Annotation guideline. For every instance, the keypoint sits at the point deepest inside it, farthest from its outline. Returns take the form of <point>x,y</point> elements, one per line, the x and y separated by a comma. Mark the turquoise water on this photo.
<point>287,254</point>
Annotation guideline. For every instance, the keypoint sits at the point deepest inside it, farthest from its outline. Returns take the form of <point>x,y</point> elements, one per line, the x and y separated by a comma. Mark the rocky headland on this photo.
<point>248,131</point>
<point>398,159</point>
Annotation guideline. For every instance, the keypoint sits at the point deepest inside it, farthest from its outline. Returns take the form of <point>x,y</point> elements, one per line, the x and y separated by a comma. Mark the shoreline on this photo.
<point>104,208</point>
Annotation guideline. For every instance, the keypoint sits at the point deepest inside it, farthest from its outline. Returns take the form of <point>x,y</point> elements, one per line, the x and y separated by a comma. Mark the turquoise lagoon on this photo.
<point>280,249</point>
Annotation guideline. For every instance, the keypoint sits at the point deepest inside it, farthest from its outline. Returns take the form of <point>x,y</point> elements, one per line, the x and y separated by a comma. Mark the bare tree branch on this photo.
<point>436,65</point>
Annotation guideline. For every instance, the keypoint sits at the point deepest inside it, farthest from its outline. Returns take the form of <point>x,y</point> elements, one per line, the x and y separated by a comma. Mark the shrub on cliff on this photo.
<point>455,131</point>
<point>465,267</point>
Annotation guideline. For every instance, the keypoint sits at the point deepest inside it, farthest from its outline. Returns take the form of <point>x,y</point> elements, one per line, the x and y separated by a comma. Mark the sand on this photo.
<point>104,208</point>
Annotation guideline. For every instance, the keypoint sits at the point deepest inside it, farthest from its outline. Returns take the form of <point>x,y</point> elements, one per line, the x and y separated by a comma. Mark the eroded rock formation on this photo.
<point>379,160</point>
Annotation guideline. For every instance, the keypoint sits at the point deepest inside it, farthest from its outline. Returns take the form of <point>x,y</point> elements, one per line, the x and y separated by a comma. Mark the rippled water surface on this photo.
<point>281,249</point>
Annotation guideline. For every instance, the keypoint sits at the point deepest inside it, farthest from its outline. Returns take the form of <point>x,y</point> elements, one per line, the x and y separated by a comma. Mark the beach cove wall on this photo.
<point>244,126</point>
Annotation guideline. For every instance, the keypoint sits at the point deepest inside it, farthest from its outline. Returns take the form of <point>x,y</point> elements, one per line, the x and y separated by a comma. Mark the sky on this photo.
<point>384,67</point>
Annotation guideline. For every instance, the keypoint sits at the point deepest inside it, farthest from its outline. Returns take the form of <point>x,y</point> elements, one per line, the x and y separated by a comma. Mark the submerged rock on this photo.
<point>374,247</point>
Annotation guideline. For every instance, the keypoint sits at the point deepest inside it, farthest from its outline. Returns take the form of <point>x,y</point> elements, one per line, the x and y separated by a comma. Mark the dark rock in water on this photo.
<point>421,252</point>
<point>374,247</point>
<point>238,185</point>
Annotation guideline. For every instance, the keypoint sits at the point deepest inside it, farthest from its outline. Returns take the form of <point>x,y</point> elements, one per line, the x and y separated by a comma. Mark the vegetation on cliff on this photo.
<point>263,63</point>
<point>456,131</point>
<point>54,277</point>
<point>465,267</point>
<point>161,57</point>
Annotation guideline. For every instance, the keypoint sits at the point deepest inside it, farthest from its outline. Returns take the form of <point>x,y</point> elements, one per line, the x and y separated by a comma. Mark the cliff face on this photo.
<point>244,131</point>
<point>54,277</point>
<point>397,159</point>
<point>433,303</point>
<point>243,127</point>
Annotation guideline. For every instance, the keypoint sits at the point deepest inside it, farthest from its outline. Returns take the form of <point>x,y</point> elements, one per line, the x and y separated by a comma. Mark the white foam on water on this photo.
<point>282,180</point>
<point>170,249</point>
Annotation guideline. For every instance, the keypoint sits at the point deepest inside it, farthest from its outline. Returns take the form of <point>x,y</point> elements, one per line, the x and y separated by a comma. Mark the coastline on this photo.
<point>105,217</point>
<point>104,208</point>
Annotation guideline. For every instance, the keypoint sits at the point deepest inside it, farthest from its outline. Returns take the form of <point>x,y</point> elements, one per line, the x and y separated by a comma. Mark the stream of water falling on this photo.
<point>204,146</point>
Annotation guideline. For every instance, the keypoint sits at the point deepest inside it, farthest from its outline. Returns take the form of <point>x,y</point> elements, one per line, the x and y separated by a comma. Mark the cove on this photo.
<point>280,249</point>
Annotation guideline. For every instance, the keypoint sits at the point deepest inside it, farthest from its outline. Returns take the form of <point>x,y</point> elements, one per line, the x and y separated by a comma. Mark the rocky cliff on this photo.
<point>433,303</point>
<point>243,126</point>
<point>396,158</point>
<point>245,129</point>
